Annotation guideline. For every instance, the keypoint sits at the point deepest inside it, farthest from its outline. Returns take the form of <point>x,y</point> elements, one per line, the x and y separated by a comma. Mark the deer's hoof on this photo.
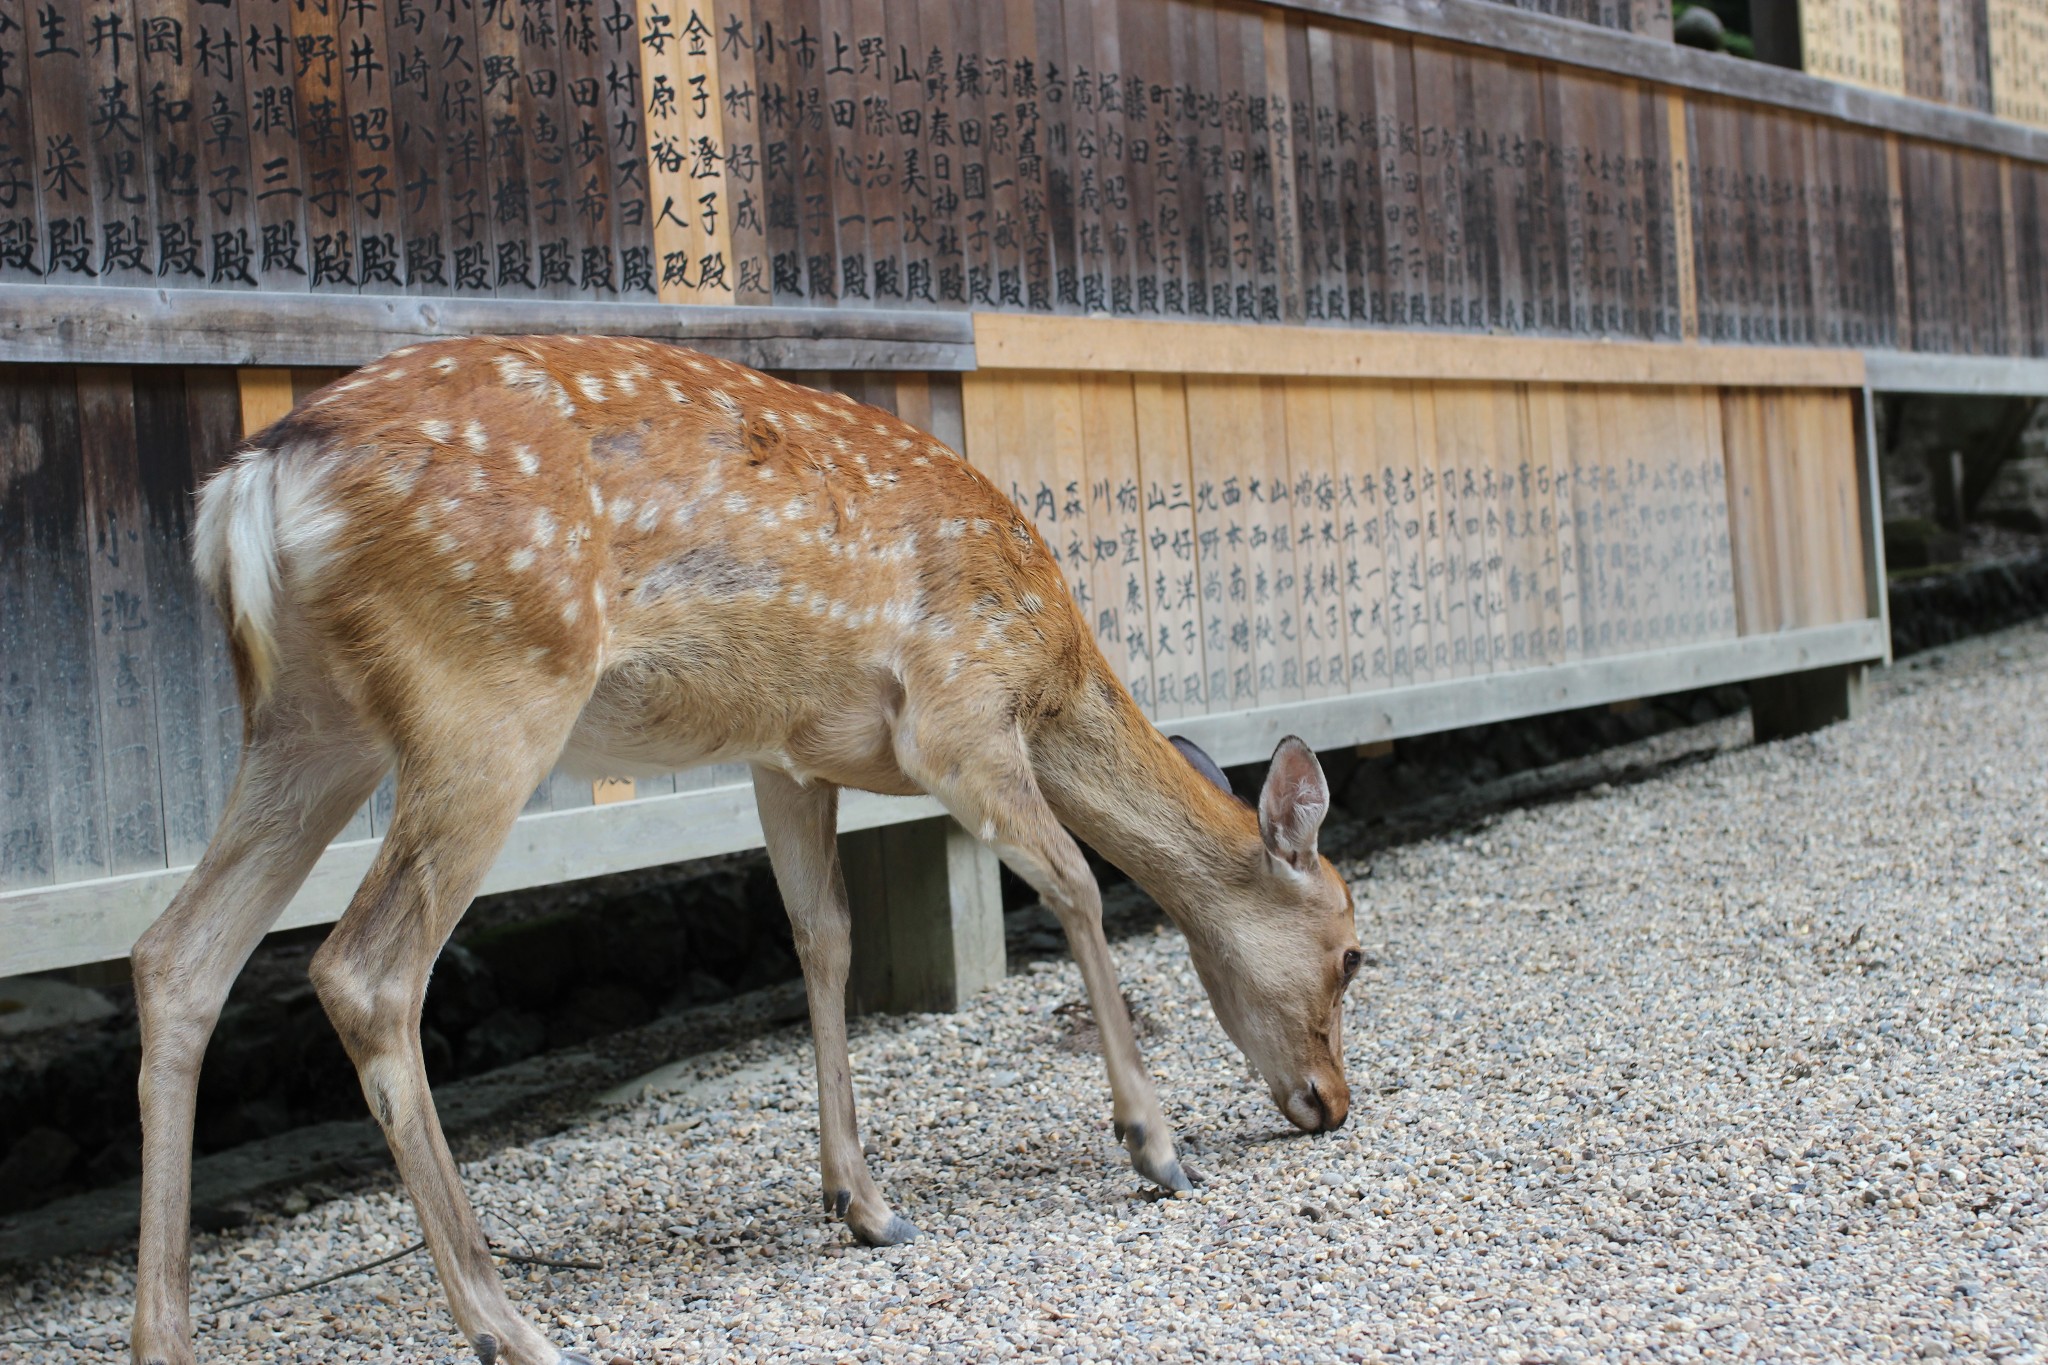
<point>1167,1175</point>
<point>895,1232</point>
<point>1154,1160</point>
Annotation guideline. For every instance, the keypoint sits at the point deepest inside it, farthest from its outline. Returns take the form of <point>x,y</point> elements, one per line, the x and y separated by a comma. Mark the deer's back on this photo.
<point>736,565</point>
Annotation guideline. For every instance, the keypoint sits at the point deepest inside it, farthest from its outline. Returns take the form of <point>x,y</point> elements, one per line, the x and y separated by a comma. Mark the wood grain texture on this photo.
<point>1010,341</point>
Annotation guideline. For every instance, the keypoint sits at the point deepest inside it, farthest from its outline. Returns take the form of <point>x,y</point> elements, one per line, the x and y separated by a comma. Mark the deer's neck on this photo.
<point>1116,782</point>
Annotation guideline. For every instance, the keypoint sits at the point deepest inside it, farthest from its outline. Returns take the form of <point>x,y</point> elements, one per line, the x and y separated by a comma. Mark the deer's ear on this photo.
<point>1201,763</point>
<point>1292,805</point>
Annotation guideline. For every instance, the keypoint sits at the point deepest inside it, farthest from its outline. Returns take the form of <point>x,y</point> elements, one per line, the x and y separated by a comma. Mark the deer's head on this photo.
<point>1277,944</point>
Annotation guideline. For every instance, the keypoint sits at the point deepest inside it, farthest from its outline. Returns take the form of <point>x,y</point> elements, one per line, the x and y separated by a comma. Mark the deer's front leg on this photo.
<point>995,794</point>
<point>801,827</point>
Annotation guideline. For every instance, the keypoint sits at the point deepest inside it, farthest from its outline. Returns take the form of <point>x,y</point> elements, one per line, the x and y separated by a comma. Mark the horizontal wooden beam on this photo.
<point>1009,341</point>
<point>119,326</point>
<point>91,921</point>
<point>43,928</point>
<point>1921,372</point>
<point>1526,34</point>
<point>1363,717</point>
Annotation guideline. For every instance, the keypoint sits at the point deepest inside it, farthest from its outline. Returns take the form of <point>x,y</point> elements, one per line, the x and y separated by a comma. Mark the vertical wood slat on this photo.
<point>123,618</point>
<point>213,421</point>
<point>52,803</point>
<point>685,143</point>
<point>23,231</point>
<point>1180,664</point>
<point>1319,596</point>
<point>180,680</point>
<point>1275,586</point>
<point>1363,527</point>
<point>1115,529</point>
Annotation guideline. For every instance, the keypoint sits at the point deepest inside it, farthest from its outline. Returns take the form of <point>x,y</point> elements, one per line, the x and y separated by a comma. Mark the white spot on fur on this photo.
<point>402,475</point>
<point>502,611</point>
<point>571,609</point>
<point>543,528</point>
<point>592,387</point>
<point>625,383</point>
<point>736,502</point>
<point>473,433</point>
<point>446,544</point>
<point>596,501</point>
<point>621,509</point>
<point>446,364</point>
<point>434,429</point>
<point>649,515</point>
<point>521,559</point>
<point>525,459</point>
<point>465,570</point>
<point>952,528</point>
<point>727,404</point>
<point>675,392</point>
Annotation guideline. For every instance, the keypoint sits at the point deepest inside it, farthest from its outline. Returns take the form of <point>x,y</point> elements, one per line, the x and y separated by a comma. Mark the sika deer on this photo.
<point>473,559</point>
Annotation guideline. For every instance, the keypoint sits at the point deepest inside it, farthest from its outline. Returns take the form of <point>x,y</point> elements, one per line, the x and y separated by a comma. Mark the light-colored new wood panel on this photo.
<point>1751,558</point>
<point>1116,529</point>
<point>1368,424</point>
<point>1858,41</point>
<point>267,395</point>
<point>1521,560</point>
<point>1166,480</point>
<point>1429,626</point>
<point>2019,60</point>
<point>1555,546</point>
<point>1224,419</point>
<point>1319,595</point>
<point>1457,608</point>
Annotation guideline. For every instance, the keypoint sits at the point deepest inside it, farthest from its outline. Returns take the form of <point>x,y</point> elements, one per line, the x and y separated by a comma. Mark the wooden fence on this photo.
<point>1371,369</point>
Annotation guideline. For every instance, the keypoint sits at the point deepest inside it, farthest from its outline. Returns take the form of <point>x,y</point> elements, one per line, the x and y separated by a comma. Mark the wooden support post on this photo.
<point>1796,703</point>
<point>927,916</point>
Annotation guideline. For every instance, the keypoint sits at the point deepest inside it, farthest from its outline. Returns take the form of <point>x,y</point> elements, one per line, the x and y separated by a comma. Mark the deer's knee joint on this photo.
<point>360,1002</point>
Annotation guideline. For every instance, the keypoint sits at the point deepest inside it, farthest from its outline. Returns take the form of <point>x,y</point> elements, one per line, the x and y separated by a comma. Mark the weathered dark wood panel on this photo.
<point>1168,158</point>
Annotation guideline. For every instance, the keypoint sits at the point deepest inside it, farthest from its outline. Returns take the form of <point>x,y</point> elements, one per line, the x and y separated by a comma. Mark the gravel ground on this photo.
<point>1749,1060</point>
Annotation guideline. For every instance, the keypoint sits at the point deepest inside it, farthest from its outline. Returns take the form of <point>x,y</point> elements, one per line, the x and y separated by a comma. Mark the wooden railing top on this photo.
<point>1523,33</point>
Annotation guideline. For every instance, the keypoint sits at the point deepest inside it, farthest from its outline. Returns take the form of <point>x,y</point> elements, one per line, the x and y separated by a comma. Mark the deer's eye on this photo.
<point>1352,957</point>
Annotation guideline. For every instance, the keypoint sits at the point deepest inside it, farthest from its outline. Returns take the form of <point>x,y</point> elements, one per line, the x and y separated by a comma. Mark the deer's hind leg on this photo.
<point>989,787</point>
<point>459,788</point>
<point>303,773</point>
<point>801,826</point>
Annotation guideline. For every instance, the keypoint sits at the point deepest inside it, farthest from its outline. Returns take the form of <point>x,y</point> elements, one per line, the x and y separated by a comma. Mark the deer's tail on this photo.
<point>234,550</point>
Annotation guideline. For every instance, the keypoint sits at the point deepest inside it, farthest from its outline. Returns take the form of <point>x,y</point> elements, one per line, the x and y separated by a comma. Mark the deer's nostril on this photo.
<point>1315,1098</point>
